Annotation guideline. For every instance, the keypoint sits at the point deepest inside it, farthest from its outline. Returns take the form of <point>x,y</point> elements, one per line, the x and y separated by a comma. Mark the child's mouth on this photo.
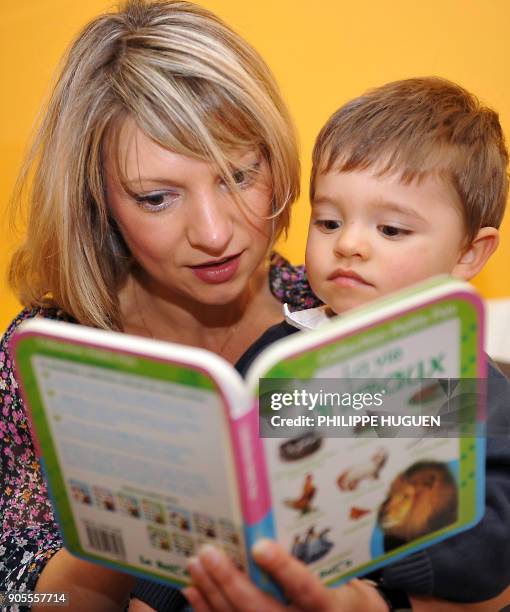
<point>348,278</point>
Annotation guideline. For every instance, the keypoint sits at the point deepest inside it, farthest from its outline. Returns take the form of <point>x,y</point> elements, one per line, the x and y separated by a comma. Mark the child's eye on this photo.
<point>327,225</point>
<point>392,232</point>
<point>157,201</point>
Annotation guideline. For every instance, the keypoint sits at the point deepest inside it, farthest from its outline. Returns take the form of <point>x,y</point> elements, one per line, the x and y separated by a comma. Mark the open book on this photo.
<point>152,449</point>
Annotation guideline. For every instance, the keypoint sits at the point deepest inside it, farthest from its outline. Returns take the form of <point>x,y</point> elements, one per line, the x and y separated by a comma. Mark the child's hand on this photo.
<point>220,587</point>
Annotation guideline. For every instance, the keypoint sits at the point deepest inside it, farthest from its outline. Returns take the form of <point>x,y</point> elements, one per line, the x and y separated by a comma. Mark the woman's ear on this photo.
<point>473,258</point>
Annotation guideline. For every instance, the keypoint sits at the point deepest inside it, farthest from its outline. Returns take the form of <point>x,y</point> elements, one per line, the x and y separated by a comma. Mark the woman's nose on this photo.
<point>352,241</point>
<point>210,222</point>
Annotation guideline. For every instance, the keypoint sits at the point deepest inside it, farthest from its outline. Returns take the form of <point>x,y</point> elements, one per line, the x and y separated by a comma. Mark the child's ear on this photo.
<point>474,257</point>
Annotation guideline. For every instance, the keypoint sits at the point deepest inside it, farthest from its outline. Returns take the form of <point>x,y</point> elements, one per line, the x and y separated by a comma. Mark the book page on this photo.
<point>346,502</point>
<point>139,458</point>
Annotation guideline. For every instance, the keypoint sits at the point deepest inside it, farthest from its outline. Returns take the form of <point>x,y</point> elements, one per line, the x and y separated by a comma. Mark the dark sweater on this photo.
<point>469,567</point>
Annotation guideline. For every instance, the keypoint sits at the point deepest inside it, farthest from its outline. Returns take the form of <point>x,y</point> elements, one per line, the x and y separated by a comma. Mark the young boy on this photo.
<point>409,181</point>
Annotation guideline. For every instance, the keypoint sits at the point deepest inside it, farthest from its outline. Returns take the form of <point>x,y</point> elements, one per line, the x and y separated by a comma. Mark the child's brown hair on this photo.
<point>416,127</point>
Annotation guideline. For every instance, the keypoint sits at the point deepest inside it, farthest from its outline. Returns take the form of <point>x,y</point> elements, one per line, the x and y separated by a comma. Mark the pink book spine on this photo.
<point>252,471</point>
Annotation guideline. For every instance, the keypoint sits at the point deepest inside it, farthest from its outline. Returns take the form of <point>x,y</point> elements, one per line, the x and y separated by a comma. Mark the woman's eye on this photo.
<point>391,231</point>
<point>239,176</point>
<point>244,177</point>
<point>154,202</point>
<point>328,225</point>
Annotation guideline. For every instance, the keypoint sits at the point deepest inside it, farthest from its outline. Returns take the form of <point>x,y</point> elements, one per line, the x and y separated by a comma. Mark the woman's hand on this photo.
<point>218,586</point>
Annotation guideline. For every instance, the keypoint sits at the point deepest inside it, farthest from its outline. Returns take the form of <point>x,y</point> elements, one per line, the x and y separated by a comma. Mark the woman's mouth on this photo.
<point>219,270</point>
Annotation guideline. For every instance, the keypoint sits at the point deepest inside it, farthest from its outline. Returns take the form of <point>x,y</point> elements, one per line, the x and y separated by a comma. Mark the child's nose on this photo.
<point>352,241</point>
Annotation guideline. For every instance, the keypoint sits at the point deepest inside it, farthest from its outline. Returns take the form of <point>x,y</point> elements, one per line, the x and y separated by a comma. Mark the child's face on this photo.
<point>370,235</point>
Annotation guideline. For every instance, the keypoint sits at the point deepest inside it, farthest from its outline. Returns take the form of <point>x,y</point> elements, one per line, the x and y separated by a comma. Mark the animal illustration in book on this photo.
<point>153,511</point>
<point>357,513</point>
<point>368,469</point>
<point>177,517</point>
<point>421,499</point>
<point>205,525</point>
<point>183,544</point>
<point>129,505</point>
<point>228,532</point>
<point>303,503</point>
<point>300,447</point>
<point>104,498</point>
<point>313,546</point>
<point>81,492</point>
<point>159,538</point>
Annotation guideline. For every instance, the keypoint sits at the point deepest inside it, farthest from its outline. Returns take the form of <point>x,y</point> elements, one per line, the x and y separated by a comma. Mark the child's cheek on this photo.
<point>409,271</point>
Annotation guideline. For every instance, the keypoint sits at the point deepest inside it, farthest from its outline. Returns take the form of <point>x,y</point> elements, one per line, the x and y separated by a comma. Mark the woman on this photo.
<point>162,172</point>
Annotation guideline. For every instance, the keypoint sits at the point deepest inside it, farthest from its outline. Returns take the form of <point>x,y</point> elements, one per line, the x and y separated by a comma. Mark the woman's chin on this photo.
<point>218,294</point>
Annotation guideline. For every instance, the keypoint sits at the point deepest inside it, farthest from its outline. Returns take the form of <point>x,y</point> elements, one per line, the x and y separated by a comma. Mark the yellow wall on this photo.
<point>322,53</point>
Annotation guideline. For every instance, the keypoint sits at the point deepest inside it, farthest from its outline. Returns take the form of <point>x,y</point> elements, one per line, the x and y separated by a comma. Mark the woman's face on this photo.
<point>181,222</point>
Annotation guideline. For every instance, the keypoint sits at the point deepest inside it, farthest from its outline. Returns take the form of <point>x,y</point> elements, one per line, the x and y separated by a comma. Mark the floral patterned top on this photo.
<point>29,534</point>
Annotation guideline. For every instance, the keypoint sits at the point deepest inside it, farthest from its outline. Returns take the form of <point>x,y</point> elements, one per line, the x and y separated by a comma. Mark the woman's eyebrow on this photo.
<point>244,163</point>
<point>148,179</point>
<point>247,161</point>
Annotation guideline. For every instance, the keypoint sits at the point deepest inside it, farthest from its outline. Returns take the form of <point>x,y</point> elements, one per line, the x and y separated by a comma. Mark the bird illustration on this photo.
<point>304,502</point>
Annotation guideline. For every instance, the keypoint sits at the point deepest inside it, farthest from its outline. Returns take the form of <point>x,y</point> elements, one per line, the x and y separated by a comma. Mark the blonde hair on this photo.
<point>420,126</point>
<point>193,86</point>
